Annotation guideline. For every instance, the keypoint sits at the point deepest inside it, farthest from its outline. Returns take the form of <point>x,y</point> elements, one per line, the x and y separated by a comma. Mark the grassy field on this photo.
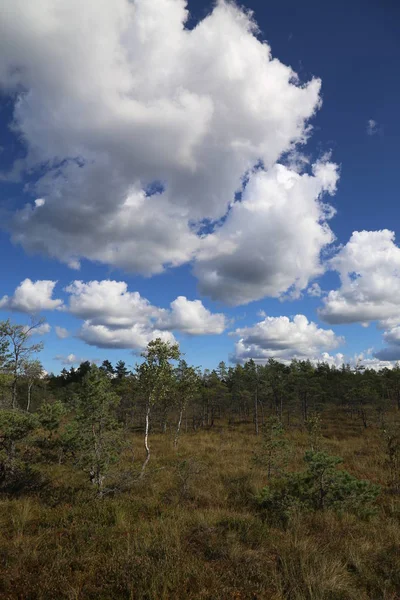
<point>191,527</point>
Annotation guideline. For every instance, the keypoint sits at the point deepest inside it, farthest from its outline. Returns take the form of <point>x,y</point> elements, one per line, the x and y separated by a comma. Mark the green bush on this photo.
<point>50,415</point>
<point>14,427</point>
<point>275,449</point>
<point>320,486</point>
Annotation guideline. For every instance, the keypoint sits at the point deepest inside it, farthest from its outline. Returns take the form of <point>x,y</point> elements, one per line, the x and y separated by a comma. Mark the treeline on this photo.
<point>239,393</point>
<point>86,413</point>
<point>249,392</point>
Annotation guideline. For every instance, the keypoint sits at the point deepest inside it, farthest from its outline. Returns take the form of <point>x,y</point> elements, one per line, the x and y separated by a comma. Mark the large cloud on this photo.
<point>135,337</point>
<point>284,339</point>
<point>276,232</point>
<point>109,302</point>
<point>369,270</point>
<point>141,129</point>
<point>192,317</point>
<point>32,297</point>
<point>392,352</point>
<point>117,318</point>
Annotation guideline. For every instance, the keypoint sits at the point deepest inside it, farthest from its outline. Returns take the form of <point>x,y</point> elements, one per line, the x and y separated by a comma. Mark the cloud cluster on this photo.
<point>191,317</point>
<point>284,339</point>
<point>32,297</point>
<point>391,337</point>
<point>109,303</point>
<point>115,317</point>
<point>71,359</point>
<point>275,236</point>
<point>364,359</point>
<point>140,133</point>
<point>369,270</point>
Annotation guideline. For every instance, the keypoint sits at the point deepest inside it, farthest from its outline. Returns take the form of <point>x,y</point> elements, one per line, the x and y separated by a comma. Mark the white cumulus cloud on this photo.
<point>369,270</point>
<point>192,317</point>
<point>284,339</point>
<point>118,318</point>
<point>135,337</point>
<point>147,130</point>
<point>32,297</point>
<point>109,302</point>
<point>276,234</point>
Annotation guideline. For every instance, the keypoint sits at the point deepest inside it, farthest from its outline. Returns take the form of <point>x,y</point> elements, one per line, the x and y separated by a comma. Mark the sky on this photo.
<point>218,174</point>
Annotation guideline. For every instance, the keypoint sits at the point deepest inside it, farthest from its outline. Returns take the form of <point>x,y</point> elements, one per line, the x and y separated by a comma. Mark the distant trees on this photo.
<point>187,385</point>
<point>85,414</point>
<point>248,392</point>
<point>107,368</point>
<point>17,350</point>
<point>32,371</point>
<point>120,370</point>
<point>251,372</point>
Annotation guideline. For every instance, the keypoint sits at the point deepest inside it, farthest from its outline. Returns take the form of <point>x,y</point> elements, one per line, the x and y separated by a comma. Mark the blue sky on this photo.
<point>197,142</point>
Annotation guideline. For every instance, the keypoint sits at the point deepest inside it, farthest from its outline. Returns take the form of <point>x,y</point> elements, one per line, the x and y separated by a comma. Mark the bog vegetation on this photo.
<point>165,482</point>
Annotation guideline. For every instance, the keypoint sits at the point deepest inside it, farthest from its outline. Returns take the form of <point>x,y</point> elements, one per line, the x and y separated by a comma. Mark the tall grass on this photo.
<point>191,529</point>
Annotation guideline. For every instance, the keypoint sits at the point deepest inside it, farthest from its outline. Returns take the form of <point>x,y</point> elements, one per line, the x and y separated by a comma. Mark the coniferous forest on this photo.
<point>162,480</point>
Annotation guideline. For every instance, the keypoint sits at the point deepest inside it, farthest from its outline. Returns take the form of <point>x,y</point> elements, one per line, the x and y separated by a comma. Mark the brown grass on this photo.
<point>190,529</point>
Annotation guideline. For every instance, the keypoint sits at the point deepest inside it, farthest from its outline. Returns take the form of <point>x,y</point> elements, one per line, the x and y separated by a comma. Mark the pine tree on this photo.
<point>98,432</point>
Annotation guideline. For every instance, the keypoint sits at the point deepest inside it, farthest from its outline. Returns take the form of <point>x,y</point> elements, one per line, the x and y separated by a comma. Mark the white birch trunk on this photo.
<point>178,428</point>
<point>146,441</point>
<point>29,397</point>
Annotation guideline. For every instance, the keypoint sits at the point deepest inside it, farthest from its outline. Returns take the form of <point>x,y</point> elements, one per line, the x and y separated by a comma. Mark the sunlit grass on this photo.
<point>190,528</point>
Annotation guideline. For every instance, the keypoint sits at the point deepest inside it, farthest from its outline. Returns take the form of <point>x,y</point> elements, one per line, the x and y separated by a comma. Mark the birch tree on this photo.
<point>155,376</point>
<point>187,384</point>
<point>32,370</point>
<point>20,350</point>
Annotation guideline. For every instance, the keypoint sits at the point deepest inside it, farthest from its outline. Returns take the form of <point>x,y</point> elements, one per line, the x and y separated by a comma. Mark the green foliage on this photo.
<point>50,415</point>
<point>5,354</point>
<point>391,445</point>
<point>275,448</point>
<point>69,443</point>
<point>120,369</point>
<point>314,430</point>
<point>187,383</point>
<point>155,374</point>
<point>306,386</point>
<point>16,340</point>
<point>107,367</point>
<point>320,486</point>
<point>97,434</point>
<point>14,427</point>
